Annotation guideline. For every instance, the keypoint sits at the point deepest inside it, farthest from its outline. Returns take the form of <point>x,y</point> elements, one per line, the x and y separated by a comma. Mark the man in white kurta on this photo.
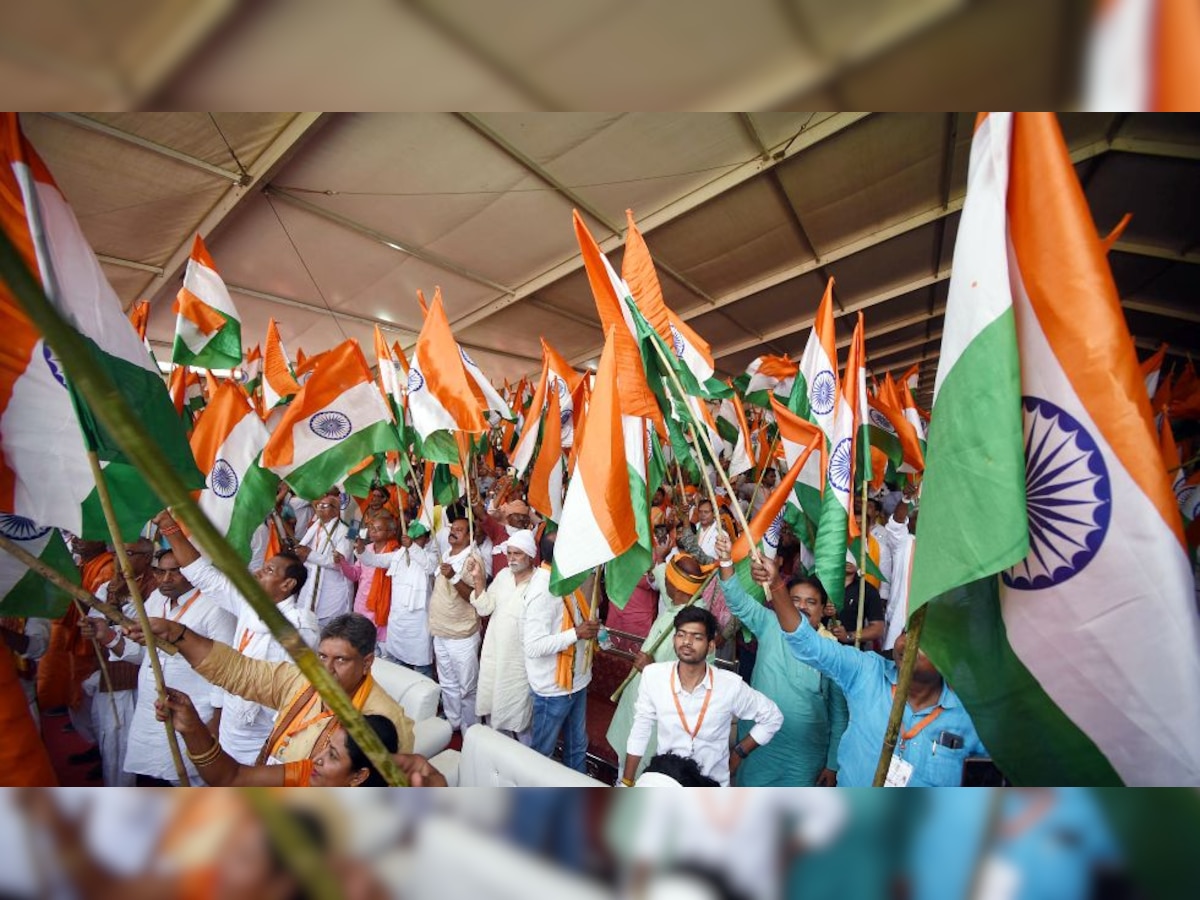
<point>327,592</point>
<point>176,599</point>
<point>411,569</point>
<point>503,694</point>
<point>454,624</point>
<point>902,542</point>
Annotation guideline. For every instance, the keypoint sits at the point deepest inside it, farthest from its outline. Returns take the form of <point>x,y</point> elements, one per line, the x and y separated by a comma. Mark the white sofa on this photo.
<point>492,759</point>
<point>419,696</point>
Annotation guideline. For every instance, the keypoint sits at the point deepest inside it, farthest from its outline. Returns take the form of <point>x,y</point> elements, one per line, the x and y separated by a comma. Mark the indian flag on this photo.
<point>24,593</point>
<point>228,442</point>
<point>1050,547</point>
<point>549,470</point>
<point>742,458</point>
<point>1144,55</point>
<point>768,376</point>
<point>557,380</point>
<point>697,371</point>
<point>208,329</point>
<point>597,524</point>
<point>1151,369</point>
<point>336,421</point>
<point>45,429</point>
<point>279,382</point>
<point>187,392</point>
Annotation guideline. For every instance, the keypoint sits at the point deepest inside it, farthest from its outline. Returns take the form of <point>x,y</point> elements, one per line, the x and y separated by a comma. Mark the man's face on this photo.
<point>924,670</point>
<point>808,602</point>
<point>378,500</point>
<point>380,530</point>
<point>140,556</point>
<point>327,508</point>
<point>274,580</point>
<point>518,561</point>
<point>769,478</point>
<point>851,571</point>
<point>706,514</point>
<point>459,535</point>
<point>872,510</point>
<point>171,581</point>
<point>344,663</point>
<point>518,520</point>
<point>691,642</point>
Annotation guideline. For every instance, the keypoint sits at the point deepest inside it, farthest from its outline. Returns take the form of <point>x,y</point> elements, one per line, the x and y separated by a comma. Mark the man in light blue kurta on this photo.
<point>814,709</point>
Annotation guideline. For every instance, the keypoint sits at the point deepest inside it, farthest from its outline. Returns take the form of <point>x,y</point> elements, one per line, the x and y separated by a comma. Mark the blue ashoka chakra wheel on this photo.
<point>1189,501</point>
<point>223,480</point>
<point>676,342</point>
<point>467,359</point>
<point>19,528</point>
<point>823,393</point>
<point>771,538</point>
<point>54,365</point>
<point>564,417</point>
<point>839,465</point>
<point>560,388</point>
<point>416,380</point>
<point>1068,498</point>
<point>880,421</point>
<point>344,500</point>
<point>333,426</point>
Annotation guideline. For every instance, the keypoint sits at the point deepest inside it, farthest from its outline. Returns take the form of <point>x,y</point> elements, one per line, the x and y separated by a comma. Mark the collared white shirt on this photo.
<point>731,699</point>
<point>543,639</point>
<point>328,592</point>
<point>246,725</point>
<point>148,753</point>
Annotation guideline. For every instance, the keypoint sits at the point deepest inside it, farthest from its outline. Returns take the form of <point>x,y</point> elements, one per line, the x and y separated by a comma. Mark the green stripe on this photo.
<point>223,350</point>
<point>830,549</point>
<point>255,500</point>
<point>1028,735</point>
<point>888,443</point>
<point>315,477</point>
<point>134,503</point>
<point>973,519</point>
<point>623,573</point>
<point>32,595</point>
<point>438,446</point>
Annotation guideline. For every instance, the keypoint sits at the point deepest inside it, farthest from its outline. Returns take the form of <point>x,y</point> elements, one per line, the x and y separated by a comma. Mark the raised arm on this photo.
<point>753,614</point>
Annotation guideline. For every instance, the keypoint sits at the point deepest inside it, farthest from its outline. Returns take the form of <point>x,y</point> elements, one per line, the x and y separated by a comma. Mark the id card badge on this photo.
<point>899,774</point>
<point>999,880</point>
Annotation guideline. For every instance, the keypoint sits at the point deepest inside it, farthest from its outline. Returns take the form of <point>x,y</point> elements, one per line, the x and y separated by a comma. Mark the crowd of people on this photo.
<point>724,689</point>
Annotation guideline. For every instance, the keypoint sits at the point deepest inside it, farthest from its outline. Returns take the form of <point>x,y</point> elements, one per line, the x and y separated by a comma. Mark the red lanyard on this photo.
<point>692,732</point>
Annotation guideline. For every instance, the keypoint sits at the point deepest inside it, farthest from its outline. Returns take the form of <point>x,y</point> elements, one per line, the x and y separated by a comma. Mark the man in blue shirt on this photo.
<point>936,734</point>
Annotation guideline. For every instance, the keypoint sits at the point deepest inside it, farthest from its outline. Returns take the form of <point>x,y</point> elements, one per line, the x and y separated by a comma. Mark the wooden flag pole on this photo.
<point>907,666</point>
<point>135,595</point>
<point>863,537</point>
<point>770,462</point>
<point>105,401</point>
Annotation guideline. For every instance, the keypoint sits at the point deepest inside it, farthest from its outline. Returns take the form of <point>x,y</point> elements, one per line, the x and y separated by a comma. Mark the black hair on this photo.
<point>682,769</point>
<point>357,629</point>
<point>812,581</point>
<point>315,837</point>
<point>546,547</point>
<point>697,615</point>
<point>386,730</point>
<point>295,569</point>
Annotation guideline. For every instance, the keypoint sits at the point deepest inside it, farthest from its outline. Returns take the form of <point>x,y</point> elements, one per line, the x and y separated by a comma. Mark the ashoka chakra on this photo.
<point>223,480</point>
<point>416,381</point>
<point>677,342</point>
<point>839,465</point>
<point>333,426</point>
<point>771,538</point>
<point>1068,498</point>
<point>880,421</point>
<point>19,528</point>
<point>823,393</point>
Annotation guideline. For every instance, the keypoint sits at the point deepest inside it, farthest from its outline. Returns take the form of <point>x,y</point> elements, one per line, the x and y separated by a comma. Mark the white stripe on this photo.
<point>428,414</point>
<point>240,450</point>
<point>979,285</point>
<point>208,286</point>
<point>362,404</point>
<point>812,363</point>
<point>12,571</point>
<point>581,544</point>
<point>1117,646</point>
<point>1120,59</point>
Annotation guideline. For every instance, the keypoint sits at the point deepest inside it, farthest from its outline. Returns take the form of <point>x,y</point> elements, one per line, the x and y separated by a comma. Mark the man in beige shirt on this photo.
<point>304,724</point>
<point>454,624</point>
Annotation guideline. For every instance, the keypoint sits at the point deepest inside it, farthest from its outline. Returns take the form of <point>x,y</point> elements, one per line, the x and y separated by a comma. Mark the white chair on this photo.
<point>419,697</point>
<point>492,759</point>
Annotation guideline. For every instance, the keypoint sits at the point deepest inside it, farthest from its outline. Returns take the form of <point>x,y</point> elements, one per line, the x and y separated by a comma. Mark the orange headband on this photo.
<point>682,581</point>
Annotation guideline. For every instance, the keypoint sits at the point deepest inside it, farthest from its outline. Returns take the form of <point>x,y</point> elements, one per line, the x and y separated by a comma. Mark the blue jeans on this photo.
<point>567,714</point>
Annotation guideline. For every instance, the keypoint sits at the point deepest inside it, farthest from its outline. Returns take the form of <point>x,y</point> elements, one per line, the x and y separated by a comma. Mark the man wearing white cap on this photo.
<point>503,693</point>
<point>411,569</point>
<point>499,526</point>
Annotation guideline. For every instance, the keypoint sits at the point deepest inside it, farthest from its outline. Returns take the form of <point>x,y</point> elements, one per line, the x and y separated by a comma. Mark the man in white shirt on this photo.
<point>245,725</point>
<point>694,704</point>
<point>710,527</point>
<point>327,591</point>
<point>148,755</point>
<point>556,633</point>
<point>411,569</point>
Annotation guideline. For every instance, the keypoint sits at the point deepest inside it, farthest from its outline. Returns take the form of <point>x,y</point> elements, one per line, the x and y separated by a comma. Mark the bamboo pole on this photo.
<point>633,673</point>
<point>712,494</point>
<point>864,536</point>
<point>903,683</point>
<point>105,401</point>
<point>135,596</point>
<point>295,847</point>
<point>770,462</point>
<point>104,673</point>
<point>702,432</point>
<point>110,612</point>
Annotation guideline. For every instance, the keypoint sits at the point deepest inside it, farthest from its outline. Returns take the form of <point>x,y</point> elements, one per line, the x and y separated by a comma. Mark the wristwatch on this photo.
<point>740,751</point>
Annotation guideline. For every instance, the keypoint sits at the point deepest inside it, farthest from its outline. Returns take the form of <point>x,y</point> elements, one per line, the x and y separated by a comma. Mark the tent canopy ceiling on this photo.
<point>330,223</point>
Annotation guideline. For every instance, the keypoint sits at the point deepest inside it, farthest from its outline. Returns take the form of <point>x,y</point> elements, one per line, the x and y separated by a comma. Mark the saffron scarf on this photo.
<point>379,598</point>
<point>564,673</point>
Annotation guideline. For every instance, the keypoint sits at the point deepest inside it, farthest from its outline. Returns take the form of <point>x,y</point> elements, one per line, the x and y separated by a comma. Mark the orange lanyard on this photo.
<point>247,634</point>
<point>286,737</point>
<point>920,726</point>
<point>178,614</point>
<point>692,732</point>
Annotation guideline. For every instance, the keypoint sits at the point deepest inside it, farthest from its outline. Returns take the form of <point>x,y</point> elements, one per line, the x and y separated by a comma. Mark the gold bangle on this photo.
<point>628,782</point>
<point>208,757</point>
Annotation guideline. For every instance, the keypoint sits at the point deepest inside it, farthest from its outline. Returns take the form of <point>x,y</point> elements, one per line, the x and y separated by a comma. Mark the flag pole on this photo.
<point>758,482</point>
<point>712,494</point>
<point>112,411</point>
<point>909,664</point>
<point>863,537</point>
<point>135,595</point>
<point>633,673</point>
<point>703,434</point>
<point>467,482</point>
<point>111,613</point>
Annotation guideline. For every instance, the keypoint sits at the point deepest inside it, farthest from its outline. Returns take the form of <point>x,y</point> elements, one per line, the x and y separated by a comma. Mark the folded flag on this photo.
<point>208,329</point>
